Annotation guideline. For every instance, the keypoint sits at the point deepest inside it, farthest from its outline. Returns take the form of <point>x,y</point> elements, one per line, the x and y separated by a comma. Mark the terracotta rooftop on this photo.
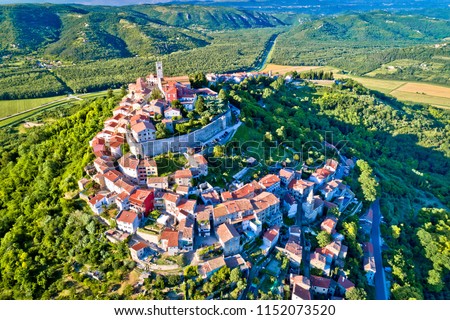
<point>127,217</point>
<point>147,163</point>
<point>204,212</point>
<point>332,164</point>
<point>226,195</point>
<point>182,190</point>
<point>287,174</point>
<point>344,282</point>
<point>226,232</point>
<point>187,205</point>
<point>171,236</point>
<point>183,174</point>
<point>246,190</point>
<point>125,185</point>
<point>112,175</point>
<point>140,196</point>
<point>96,198</point>
<point>320,282</point>
<point>269,180</point>
<point>264,200</point>
<point>186,227</point>
<point>294,248</point>
<point>272,233</point>
<point>200,159</point>
<point>329,224</point>
<point>300,280</point>
<point>123,196</point>
<point>151,180</point>
<point>129,161</point>
<point>213,264</point>
<point>300,184</point>
<point>139,246</point>
<point>233,206</point>
<point>171,197</point>
<point>141,126</point>
<point>212,196</point>
<point>321,173</point>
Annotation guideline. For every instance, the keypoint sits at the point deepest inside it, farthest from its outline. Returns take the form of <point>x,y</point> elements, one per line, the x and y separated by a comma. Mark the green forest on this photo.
<point>75,48</point>
<point>19,79</point>
<point>362,42</point>
<point>406,147</point>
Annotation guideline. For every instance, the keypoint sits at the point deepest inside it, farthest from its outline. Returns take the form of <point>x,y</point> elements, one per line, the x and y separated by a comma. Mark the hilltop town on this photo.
<point>256,226</point>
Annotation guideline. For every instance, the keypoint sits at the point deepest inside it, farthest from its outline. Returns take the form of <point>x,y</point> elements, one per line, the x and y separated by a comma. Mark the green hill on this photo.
<point>75,32</point>
<point>211,18</point>
<point>318,41</point>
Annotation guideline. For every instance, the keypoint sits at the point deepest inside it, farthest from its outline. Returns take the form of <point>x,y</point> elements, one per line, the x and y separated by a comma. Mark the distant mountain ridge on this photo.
<point>304,6</point>
<point>77,32</point>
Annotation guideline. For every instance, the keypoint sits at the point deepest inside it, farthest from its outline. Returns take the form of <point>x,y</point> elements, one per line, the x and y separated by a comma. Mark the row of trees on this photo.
<point>30,84</point>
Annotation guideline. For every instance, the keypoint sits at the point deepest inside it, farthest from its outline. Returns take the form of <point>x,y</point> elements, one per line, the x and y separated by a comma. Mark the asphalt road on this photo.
<point>380,279</point>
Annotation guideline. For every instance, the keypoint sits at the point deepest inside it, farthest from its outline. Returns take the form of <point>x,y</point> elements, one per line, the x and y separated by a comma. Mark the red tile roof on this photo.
<point>96,198</point>
<point>320,282</point>
<point>264,200</point>
<point>171,236</point>
<point>141,126</point>
<point>226,232</point>
<point>344,282</point>
<point>139,246</point>
<point>302,293</point>
<point>204,212</point>
<point>329,224</point>
<point>269,180</point>
<point>182,174</point>
<point>140,196</point>
<point>272,233</point>
<point>287,174</point>
<point>200,159</point>
<point>187,205</point>
<point>171,197</point>
<point>125,185</point>
<point>300,184</point>
<point>127,217</point>
<point>112,175</point>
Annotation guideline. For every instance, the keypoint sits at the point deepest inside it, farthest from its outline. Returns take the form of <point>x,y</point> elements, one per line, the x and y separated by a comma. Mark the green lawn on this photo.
<point>10,107</point>
<point>21,117</point>
<point>33,103</point>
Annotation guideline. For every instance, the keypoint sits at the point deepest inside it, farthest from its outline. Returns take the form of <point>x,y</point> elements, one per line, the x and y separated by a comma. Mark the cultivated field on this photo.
<point>10,107</point>
<point>425,89</point>
<point>416,92</point>
<point>275,68</point>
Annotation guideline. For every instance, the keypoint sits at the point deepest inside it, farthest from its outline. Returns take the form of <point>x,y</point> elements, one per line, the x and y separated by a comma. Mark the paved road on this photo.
<point>305,253</point>
<point>380,279</point>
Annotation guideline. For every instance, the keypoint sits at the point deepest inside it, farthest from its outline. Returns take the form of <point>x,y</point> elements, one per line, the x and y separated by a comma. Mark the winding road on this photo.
<point>380,278</point>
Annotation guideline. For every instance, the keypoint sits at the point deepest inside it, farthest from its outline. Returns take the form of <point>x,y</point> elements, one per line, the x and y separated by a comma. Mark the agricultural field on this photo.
<point>29,108</point>
<point>10,107</point>
<point>416,92</point>
<point>16,119</point>
<point>402,64</point>
<point>280,69</point>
